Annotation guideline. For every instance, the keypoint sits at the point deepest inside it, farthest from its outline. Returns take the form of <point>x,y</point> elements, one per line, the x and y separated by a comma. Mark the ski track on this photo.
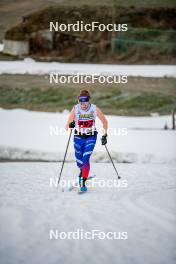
<point>29,208</point>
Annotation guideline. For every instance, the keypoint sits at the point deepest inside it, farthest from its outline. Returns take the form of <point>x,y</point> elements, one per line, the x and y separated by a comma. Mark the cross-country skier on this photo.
<point>82,118</point>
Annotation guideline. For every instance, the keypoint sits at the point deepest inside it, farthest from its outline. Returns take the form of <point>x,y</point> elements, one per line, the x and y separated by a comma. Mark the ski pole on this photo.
<point>112,162</point>
<point>64,157</point>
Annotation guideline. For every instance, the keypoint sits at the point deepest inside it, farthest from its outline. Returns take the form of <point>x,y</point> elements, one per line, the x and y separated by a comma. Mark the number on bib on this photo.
<point>85,124</point>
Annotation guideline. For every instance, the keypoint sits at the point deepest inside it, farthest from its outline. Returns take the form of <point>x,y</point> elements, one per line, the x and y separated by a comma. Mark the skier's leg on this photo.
<point>78,146</point>
<point>88,149</point>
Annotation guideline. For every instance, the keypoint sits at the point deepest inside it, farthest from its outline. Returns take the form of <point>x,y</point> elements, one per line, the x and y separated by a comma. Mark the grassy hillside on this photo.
<point>143,43</point>
<point>140,96</point>
<point>12,11</point>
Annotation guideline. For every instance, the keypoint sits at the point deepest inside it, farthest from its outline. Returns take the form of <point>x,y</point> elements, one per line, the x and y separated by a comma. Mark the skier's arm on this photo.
<point>103,119</point>
<point>70,118</point>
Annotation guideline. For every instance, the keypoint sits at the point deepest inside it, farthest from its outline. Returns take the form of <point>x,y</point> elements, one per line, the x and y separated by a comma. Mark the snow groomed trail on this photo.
<point>30,208</point>
<point>30,66</point>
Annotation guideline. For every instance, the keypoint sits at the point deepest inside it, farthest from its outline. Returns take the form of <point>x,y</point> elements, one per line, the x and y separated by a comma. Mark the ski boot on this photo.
<point>80,179</point>
<point>83,188</point>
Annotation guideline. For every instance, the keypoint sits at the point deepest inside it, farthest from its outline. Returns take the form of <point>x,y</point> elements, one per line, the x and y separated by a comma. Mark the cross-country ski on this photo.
<point>75,184</point>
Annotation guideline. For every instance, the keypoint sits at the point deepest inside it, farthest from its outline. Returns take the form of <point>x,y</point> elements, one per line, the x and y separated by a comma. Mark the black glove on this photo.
<point>72,124</point>
<point>104,139</point>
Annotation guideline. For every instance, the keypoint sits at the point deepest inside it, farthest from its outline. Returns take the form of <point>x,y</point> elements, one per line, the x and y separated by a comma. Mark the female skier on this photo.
<point>82,118</point>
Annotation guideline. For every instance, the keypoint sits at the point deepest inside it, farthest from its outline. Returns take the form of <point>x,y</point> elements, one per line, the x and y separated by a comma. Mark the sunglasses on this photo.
<point>83,99</point>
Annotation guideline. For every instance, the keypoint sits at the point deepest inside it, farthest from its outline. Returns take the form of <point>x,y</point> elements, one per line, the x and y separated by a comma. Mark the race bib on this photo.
<point>85,123</point>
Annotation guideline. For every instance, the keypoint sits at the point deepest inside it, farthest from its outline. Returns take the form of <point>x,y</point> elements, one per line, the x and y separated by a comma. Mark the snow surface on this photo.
<point>30,66</point>
<point>29,209</point>
<point>26,135</point>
